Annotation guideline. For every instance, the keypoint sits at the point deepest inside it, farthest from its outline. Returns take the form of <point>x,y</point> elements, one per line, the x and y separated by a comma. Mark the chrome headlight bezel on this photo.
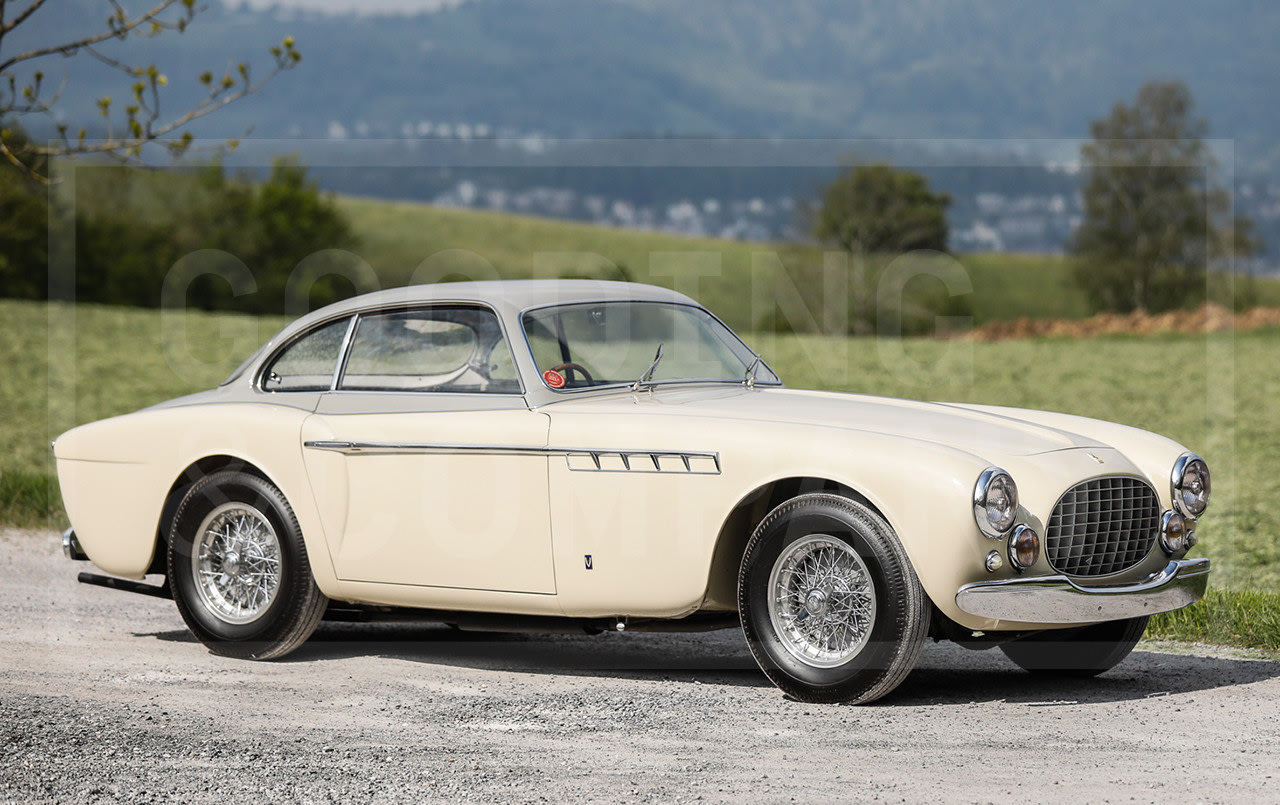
<point>1186,466</point>
<point>994,479</point>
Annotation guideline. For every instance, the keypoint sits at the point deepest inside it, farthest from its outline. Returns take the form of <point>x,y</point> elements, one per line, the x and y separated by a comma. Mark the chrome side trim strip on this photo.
<point>352,448</point>
<point>1060,600</point>
<point>579,459</point>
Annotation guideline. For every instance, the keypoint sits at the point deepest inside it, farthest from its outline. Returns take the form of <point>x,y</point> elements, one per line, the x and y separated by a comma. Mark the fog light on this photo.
<point>1024,547</point>
<point>1173,533</point>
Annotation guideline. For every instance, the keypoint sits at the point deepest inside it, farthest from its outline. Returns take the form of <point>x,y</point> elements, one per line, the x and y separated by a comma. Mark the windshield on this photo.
<point>614,343</point>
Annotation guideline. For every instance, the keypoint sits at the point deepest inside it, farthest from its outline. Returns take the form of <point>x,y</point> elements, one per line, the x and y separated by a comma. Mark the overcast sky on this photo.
<point>358,6</point>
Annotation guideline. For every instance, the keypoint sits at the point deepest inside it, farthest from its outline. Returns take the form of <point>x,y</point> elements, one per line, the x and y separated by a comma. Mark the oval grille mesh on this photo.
<point>1102,526</point>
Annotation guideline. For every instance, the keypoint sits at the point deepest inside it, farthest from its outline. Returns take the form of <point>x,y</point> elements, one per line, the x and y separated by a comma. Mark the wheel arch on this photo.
<point>741,522</point>
<point>194,471</point>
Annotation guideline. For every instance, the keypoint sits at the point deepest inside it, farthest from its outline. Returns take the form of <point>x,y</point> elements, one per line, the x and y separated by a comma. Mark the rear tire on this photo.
<point>831,607</point>
<point>1083,652</point>
<point>238,568</point>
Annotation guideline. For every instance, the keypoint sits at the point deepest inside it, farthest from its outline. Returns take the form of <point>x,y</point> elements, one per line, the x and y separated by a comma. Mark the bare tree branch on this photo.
<point>21,18</point>
<point>119,30</point>
<point>142,124</point>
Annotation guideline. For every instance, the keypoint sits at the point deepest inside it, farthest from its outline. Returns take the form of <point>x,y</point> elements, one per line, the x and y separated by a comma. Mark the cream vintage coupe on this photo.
<point>594,455</point>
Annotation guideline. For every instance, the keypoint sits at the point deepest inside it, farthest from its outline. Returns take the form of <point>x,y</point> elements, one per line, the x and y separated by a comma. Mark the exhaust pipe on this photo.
<point>72,550</point>
<point>127,585</point>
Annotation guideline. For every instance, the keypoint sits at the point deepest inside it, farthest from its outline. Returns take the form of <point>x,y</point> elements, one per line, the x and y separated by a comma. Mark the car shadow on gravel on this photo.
<point>1146,674</point>
<point>946,673</point>
<point>699,658</point>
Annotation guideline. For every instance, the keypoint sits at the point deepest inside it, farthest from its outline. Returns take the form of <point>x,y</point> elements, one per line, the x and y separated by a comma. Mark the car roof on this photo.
<point>507,297</point>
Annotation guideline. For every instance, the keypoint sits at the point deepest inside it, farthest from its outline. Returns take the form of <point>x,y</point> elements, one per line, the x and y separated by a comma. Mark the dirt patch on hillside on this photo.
<point>1206,319</point>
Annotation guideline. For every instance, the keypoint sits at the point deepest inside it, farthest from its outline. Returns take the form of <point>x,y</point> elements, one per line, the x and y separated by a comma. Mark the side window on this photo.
<point>439,349</point>
<point>309,362</point>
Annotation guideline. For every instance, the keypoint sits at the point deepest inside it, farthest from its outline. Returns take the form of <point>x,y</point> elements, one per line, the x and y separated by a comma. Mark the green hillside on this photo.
<point>753,285</point>
<point>401,238</point>
<point>735,279</point>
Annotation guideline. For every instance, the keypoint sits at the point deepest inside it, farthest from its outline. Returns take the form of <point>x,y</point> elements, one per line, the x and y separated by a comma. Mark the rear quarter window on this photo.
<point>309,362</point>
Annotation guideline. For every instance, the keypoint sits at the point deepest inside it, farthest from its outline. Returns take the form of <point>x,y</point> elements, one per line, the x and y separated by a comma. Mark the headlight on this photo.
<point>1191,485</point>
<point>995,502</point>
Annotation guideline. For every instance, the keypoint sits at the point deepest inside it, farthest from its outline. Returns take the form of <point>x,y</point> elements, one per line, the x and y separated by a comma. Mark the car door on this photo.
<point>427,464</point>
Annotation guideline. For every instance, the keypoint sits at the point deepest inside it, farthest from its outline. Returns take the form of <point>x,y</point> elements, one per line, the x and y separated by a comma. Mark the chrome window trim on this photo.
<point>259,374</point>
<point>345,352</point>
<point>420,393</point>
<point>649,385</point>
<point>524,333</point>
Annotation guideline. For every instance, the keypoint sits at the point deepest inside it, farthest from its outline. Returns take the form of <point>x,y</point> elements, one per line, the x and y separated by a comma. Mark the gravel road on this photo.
<point>104,697</point>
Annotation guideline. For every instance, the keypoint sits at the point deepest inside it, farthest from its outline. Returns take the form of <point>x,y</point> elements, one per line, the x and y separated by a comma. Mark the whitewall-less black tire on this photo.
<point>830,605</point>
<point>1086,651</point>
<point>238,568</point>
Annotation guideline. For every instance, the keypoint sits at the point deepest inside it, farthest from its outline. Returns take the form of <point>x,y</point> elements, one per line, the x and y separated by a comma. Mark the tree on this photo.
<point>24,227</point>
<point>134,227</point>
<point>1154,220</point>
<point>294,220</point>
<point>129,128</point>
<point>877,209</point>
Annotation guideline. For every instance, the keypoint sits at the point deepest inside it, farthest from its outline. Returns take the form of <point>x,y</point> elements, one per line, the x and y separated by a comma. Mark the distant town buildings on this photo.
<point>980,220</point>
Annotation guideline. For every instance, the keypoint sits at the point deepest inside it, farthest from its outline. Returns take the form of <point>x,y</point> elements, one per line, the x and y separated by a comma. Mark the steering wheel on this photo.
<point>576,367</point>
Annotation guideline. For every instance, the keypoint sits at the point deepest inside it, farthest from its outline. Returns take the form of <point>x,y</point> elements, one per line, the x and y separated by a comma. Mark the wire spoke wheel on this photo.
<point>238,567</point>
<point>822,601</point>
<point>830,605</point>
<point>236,563</point>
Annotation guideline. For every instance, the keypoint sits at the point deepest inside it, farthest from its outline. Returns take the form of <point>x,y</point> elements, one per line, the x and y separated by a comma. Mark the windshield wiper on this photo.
<point>648,373</point>
<point>749,377</point>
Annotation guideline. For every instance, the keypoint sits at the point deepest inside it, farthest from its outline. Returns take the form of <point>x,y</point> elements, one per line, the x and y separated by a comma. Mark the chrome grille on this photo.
<point>1102,526</point>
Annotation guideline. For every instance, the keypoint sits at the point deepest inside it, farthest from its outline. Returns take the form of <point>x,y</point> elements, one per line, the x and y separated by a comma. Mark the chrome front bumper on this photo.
<point>1060,600</point>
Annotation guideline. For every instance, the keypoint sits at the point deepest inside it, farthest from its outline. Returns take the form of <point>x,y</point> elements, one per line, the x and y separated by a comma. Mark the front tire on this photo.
<point>1083,652</point>
<point>238,568</point>
<point>831,607</point>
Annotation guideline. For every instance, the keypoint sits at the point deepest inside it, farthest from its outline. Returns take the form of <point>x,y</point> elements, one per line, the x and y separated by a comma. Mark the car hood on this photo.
<point>953,425</point>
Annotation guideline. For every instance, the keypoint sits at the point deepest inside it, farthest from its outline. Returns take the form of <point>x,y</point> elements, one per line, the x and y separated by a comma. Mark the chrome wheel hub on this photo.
<point>236,563</point>
<point>816,603</point>
<point>231,564</point>
<point>822,602</point>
